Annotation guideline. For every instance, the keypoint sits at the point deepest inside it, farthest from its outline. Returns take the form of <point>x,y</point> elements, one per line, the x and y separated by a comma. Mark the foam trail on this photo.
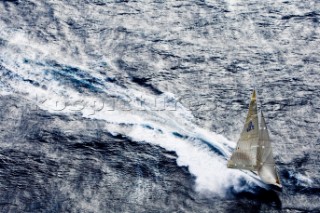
<point>158,128</point>
<point>210,170</point>
<point>202,151</point>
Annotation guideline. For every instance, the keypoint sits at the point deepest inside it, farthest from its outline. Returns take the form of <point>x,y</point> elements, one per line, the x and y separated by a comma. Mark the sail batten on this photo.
<point>254,151</point>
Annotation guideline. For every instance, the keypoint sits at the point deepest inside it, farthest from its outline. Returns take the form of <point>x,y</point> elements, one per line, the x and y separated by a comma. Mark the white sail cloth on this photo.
<point>253,151</point>
<point>266,164</point>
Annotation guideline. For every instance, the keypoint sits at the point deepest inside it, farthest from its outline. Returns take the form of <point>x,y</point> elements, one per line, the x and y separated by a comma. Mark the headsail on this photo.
<point>245,155</point>
<point>266,164</point>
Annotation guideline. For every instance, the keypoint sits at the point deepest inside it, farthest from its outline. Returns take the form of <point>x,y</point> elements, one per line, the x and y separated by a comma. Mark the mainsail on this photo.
<point>245,155</point>
<point>253,151</point>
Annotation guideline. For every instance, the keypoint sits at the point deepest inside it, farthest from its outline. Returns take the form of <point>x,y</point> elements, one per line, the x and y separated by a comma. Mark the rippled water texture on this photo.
<point>134,106</point>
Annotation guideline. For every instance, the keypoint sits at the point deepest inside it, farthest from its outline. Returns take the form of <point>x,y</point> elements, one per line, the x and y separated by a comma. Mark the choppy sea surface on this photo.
<point>135,106</point>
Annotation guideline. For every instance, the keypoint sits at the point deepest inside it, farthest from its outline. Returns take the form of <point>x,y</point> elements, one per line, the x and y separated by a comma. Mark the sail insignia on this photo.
<point>250,126</point>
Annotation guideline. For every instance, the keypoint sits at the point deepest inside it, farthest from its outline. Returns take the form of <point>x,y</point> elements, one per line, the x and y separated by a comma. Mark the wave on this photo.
<point>202,151</point>
<point>130,106</point>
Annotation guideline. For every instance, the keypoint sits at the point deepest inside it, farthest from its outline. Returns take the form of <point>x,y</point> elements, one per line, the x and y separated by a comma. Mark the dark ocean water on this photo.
<point>134,106</point>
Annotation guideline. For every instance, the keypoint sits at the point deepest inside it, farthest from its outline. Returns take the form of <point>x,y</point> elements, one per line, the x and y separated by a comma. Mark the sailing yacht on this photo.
<point>253,151</point>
